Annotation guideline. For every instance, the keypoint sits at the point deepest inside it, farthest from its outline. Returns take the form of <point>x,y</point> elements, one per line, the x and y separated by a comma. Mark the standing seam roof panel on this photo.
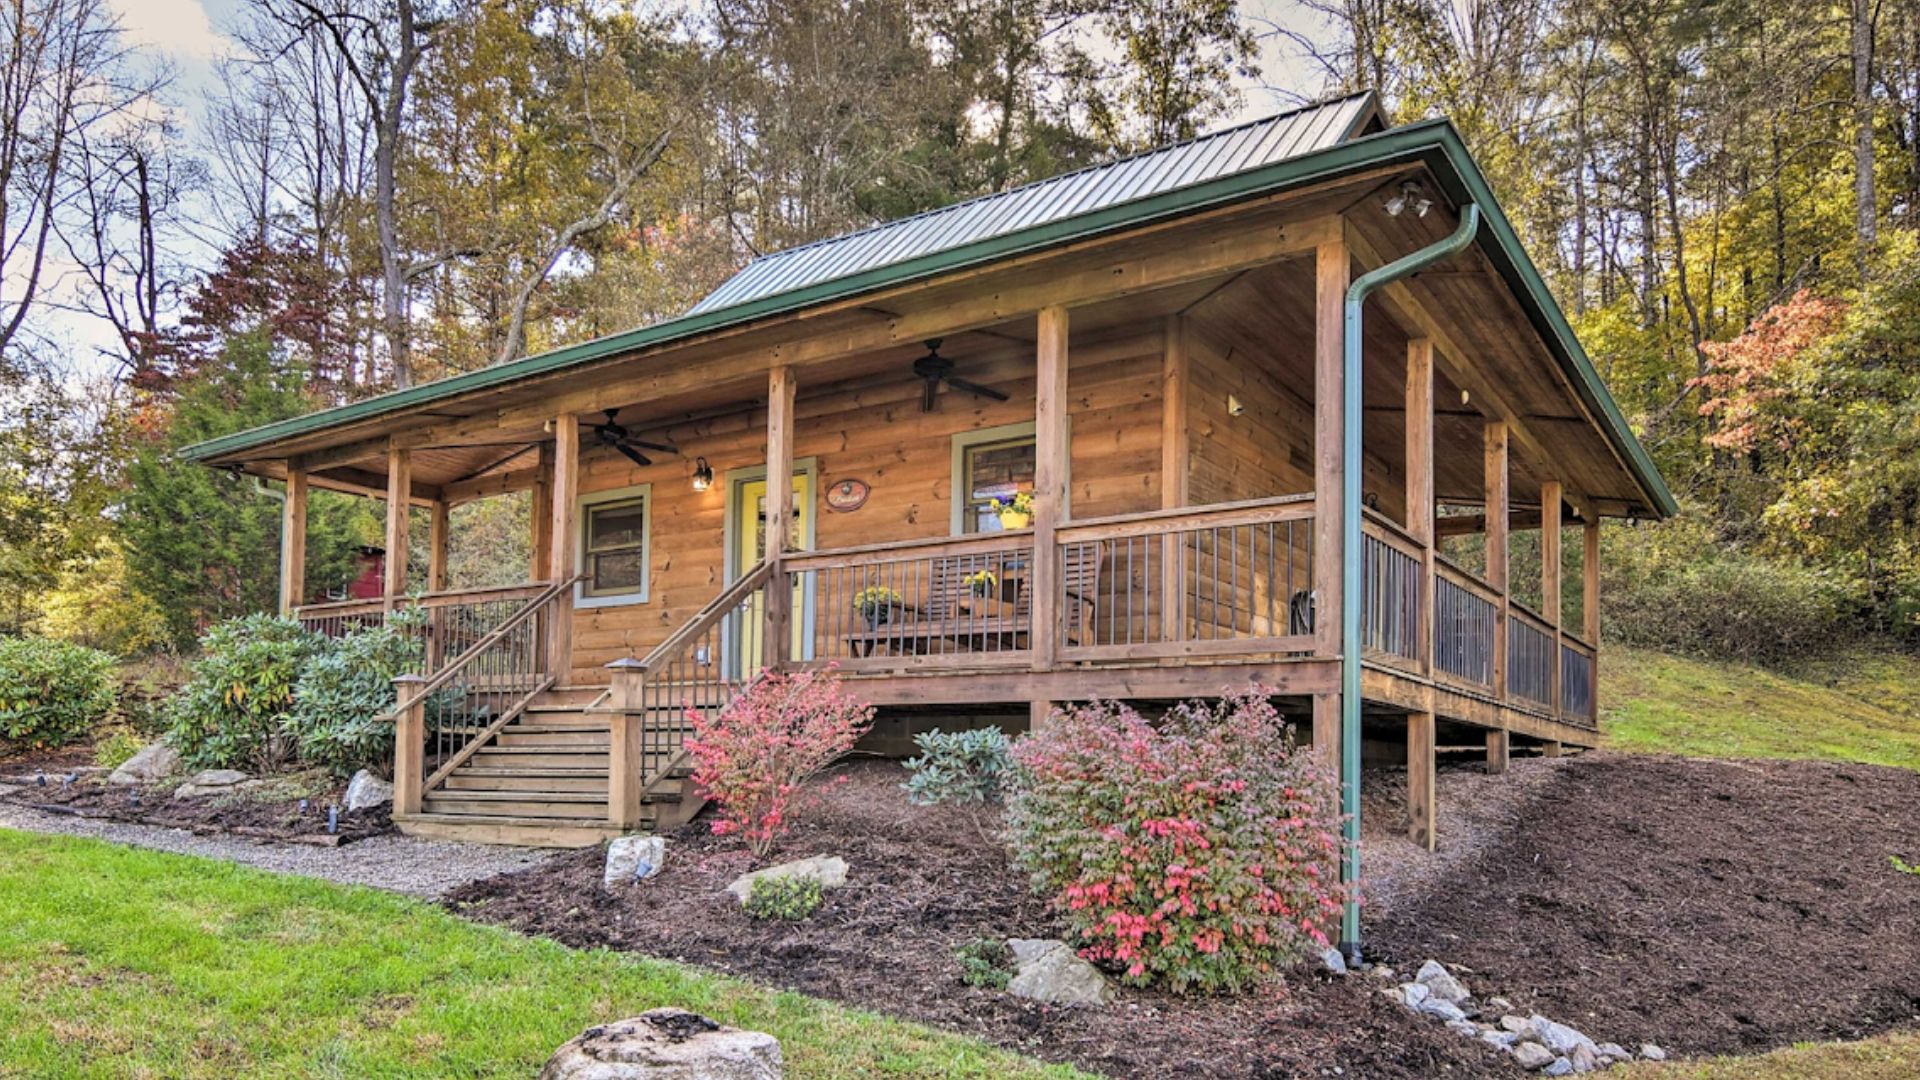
<point>1209,157</point>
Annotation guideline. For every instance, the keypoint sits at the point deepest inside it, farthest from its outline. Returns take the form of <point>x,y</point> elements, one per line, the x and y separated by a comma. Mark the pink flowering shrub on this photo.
<point>752,756</point>
<point>1202,853</point>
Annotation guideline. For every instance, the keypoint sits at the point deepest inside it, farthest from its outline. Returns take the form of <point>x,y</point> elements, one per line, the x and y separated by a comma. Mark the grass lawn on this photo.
<point>1889,1057</point>
<point>1860,707</point>
<point>121,962</point>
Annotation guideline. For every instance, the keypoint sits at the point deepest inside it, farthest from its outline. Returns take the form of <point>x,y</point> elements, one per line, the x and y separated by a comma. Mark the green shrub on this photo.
<point>342,694</point>
<point>959,766</point>
<point>116,747</point>
<point>232,713</point>
<point>789,898</point>
<point>1202,853</point>
<point>52,692</point>
<point>985,962</point>
<point>1675,586</point>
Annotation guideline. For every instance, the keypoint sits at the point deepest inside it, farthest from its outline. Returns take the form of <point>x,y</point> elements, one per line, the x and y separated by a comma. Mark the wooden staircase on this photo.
<point>541,781</point>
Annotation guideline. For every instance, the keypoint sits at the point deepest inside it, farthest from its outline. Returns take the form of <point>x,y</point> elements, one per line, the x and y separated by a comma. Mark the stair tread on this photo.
<point>496,795</point>
<point>506,819</point>
<point>537,771</point>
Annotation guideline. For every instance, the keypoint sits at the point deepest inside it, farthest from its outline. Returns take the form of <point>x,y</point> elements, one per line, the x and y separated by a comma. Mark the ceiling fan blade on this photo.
<point>635,456</point>
<point>662,447</point>
<point>974,387</point>
<point>928,392</point>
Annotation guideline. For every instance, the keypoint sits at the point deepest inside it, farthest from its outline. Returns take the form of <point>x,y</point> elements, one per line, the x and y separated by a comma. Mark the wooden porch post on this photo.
<point>1422,805</point>
<point>1552,494</point>
<point>1497,518</point>
<point>780,395</point>
<point>1049,480</point>
<point>399,502</point>
<point>437,523</point>
<point>563,546</point>
<point>626,745</point>
<point>1176,462</point>
<point>293,543</point>
<point>1332,269</point>
<point>1419,456</point>
<point>1590,601</point>
<point>409,744</point>
<point>542,514</point>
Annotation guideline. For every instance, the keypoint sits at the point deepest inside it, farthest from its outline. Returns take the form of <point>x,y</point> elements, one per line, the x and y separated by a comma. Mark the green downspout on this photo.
<point>1350,557</point>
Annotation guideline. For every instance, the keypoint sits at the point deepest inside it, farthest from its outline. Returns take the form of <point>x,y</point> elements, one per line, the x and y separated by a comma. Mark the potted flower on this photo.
<point>876,604</point>
<point>1017,513</point>
<point>983,583</point>
<point>983,592</point>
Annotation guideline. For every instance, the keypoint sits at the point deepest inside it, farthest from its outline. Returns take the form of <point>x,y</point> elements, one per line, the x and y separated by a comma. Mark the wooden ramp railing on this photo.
<point>702,665</point>
<point>444,717</point>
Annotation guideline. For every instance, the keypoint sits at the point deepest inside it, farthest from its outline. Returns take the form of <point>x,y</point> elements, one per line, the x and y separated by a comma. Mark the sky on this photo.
<point>190,35</point>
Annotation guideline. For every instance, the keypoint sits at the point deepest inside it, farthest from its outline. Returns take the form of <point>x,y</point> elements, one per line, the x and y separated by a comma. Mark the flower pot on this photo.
<point>1014,519</point>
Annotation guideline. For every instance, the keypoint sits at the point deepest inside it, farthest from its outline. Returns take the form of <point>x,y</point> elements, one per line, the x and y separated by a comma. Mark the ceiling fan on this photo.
<point>611,433</point>
<point>933,368</point>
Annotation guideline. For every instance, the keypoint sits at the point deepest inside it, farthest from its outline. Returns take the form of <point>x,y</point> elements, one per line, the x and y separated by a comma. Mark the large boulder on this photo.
<point>829,870</point>
<point>210,782</point>
<point>1049,970</point>
<point>366,791</point>
<point>633,858</point>
<point>1531,1055</point>
<point>1440,983</point>
<point>155,762</point>
<point>666,1044</point>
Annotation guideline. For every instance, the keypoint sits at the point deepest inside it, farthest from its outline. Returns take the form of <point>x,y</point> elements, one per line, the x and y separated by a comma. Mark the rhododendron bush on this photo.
<point>752,757</point>
<point>1202,852</point>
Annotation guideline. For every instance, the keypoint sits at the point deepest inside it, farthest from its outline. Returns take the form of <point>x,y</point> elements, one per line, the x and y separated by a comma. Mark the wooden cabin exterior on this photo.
<point>1153,349</point>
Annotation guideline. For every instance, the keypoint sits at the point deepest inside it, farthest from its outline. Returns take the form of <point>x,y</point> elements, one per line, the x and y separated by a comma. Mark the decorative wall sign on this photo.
<point>847,495</point>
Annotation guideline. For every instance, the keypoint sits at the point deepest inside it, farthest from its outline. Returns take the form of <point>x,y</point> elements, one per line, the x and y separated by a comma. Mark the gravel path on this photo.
<point>403,864</point>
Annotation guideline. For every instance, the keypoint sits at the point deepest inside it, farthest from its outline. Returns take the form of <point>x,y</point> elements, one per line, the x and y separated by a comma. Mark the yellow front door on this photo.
<point>750,543</point>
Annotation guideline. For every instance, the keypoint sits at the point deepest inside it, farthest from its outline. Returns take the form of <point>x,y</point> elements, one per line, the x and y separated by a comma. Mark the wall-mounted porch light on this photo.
<point>702,656</point>
<point>1411,194</point>
<point>702,474</point>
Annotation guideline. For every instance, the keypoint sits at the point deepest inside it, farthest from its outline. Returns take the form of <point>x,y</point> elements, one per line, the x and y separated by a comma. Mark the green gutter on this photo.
<point>1434,142</point>
<point>1352,597</point>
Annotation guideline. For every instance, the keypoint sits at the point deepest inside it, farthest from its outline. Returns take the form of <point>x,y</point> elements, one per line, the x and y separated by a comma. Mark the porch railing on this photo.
<point>1393,586</point>
<point>948,602</point>
<point>449,622</point>
<point>1577,697</point>
<point>1465,616</point>
<point>1530,659</point>
<point>1233,578</point>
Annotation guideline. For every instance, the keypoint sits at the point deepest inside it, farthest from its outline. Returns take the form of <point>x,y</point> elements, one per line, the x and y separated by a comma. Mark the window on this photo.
<point>615,532</point>
<point>990,470</point>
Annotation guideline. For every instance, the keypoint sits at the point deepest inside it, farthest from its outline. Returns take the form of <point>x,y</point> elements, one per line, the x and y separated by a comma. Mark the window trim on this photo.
<point>967,440</point>
<point>582,507</point>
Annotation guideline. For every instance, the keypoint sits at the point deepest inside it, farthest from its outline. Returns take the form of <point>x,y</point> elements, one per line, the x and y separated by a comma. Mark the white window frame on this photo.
<point>642,492</point>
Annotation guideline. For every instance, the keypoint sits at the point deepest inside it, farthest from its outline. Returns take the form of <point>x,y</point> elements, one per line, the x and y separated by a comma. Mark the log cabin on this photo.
<point>1276,401</point>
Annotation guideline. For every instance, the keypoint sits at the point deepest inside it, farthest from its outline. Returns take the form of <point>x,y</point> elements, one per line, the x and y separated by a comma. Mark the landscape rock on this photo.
<point>1441,983</point>
<point>1382,971</point>
<point>1614,1052</point>
<point>1560,1067</point>
<point>1652,1052</point>
<point>1558,1038</point>
<point>1531,1055</point>
<point>210,782</point>
<point>1445,1010</point>
<point>829,870</point>
<point>1394,993</point>
<point>1463,1027</point>
<point>1414,993</point>
<point>1584,1059</point>
<point>666,1044</point>
<point>1499,1005</point>
<point>634,858</point>
<point>1505,1039</point>
<point>155,762</point>
<point>1334,962</point>
<point>366,791</point>
<point>1050,971</point>
<point>1516,1024</point>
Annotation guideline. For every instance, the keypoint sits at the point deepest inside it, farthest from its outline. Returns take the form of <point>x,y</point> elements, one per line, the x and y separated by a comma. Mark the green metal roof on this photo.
<point>1434,143</point>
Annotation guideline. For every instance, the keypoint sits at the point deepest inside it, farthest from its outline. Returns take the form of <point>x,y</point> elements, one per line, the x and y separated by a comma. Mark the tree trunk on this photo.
<point>1866,229</point>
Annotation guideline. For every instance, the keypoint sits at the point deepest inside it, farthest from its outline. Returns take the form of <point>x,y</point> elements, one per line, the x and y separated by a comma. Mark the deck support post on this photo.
<point>563,546</point>
<point>1419,458</point>
<point>781,388</point>
<point>1049,480</point>
<point>626,745</point>
<point>293,543</point>
<point>409,743</point>
<point>399,503</point>
<point>1326,730</point>
<point>1039,710</point>
<point>1552,748</point>
<point>1499,746</point>
<point>1176,463</point>
<point>1552,494</point>
<point>1498,518</point>
<point>1590,600</point>
<point>1423,809</point>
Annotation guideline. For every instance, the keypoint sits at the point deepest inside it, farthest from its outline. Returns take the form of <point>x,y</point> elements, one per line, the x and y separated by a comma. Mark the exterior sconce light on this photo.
<point>1234,406</point>
<point>702,656</point>
<point>702,474</point>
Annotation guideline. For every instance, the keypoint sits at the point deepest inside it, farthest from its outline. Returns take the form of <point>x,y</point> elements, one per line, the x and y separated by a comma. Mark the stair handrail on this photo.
<point>446,674</point>
<point>718,608</point>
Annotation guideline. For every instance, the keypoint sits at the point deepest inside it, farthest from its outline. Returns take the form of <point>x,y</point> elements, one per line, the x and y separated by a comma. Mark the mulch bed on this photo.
<point>922,881</point>
<point>1708,906</point>
<point>268,816</point>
